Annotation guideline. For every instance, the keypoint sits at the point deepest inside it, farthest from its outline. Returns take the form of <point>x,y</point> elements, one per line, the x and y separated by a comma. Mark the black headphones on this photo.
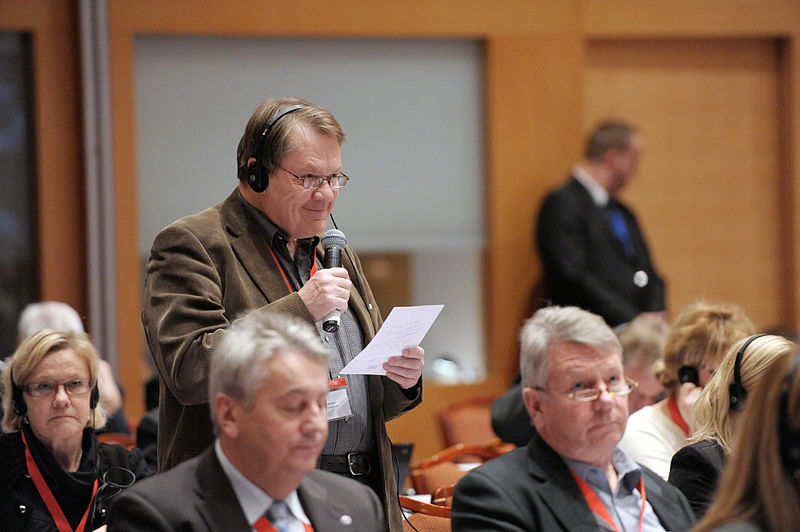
<point>736,391</point>
<point>257,178</point>
<point>21,407</point>
<point>789,439</point>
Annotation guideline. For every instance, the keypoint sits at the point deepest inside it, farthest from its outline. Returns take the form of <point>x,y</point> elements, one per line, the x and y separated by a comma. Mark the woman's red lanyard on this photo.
<point>49,499</point>
<point>263,525</point>
<point>675,414</point>
<point>285,280</point>
<point>597,506</point>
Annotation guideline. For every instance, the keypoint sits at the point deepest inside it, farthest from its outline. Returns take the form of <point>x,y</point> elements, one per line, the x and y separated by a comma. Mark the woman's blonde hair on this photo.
<point>701,334</point>
<point>756,484</point>
<point>714,417</point>
<point>30,354</point>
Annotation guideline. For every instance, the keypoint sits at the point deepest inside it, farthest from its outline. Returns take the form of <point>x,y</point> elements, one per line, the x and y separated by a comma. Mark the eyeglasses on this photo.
<point>313,182</point>
<point>619,388</point>
<point>46,389</point>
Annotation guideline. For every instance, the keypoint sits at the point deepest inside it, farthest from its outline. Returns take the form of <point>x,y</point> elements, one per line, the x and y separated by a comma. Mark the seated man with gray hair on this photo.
<point>268,383</point>
<point>572,475</point>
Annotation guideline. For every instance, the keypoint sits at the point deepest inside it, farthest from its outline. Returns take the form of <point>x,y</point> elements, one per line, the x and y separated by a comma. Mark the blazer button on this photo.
<point>22,509</point>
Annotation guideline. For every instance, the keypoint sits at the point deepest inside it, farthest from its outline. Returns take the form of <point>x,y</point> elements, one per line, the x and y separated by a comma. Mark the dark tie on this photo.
<point>278,515</point>
<point>617,220</point>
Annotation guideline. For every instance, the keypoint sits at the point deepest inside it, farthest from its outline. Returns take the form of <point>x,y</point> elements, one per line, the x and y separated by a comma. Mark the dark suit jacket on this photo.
<point>196,496</point>
<point>695,470</point>
<point>510,419</point>
<point>585,264</point>
<point>206,270</point>
<point>530,489</point>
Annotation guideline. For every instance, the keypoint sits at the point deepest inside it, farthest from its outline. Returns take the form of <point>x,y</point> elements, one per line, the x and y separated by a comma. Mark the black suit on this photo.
<point>585,263</point>
<point>695,470</point>
<point>196,496</point>
<point>531,489</point>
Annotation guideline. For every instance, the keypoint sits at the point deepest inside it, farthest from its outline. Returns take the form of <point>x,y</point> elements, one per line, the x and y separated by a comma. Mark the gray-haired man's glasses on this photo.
<point>313,182</point>
<point>619,388</point>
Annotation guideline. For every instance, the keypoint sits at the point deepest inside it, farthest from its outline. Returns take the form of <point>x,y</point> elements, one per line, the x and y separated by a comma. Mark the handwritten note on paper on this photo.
<point>404,327</point>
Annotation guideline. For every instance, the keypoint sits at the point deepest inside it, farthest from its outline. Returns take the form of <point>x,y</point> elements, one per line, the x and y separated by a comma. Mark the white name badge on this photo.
<point>338,404</point>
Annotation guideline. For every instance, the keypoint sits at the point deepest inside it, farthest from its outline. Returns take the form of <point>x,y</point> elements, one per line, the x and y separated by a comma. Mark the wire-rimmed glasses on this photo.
<point>619,388</point>
<point>313,182</point>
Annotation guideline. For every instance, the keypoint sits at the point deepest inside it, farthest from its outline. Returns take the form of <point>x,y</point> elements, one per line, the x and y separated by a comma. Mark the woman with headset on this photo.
<point>760,487</point>
<point>717,413</point>
<point>54,474</point>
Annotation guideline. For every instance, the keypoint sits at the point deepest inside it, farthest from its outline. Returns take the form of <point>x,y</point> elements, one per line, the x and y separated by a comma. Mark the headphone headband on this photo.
<point>256,177</point>
<point>736,392</point>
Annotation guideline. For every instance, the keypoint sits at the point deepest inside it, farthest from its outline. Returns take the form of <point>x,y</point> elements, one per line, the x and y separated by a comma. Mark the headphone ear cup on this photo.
<point>94,398</point>
<point>737,395</point>
<point>256,177</point>
<point>17,400</point>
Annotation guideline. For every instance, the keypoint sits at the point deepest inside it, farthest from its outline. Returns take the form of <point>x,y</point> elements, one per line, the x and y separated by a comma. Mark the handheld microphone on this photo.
<point>333,242</point>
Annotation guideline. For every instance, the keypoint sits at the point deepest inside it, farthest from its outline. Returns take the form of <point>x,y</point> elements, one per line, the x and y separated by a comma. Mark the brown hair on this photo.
<point>701,334</point>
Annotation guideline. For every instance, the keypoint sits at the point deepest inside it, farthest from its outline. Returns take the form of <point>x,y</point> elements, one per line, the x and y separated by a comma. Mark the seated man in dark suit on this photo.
<point>571,476</point>
<point>268,383</point>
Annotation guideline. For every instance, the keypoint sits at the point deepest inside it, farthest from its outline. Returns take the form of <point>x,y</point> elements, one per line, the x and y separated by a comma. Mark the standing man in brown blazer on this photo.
<point>260,249</point>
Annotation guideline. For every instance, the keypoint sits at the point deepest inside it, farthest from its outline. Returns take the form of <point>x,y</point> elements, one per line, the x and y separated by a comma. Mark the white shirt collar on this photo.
<point>596,191</point>
<point>253,500</point>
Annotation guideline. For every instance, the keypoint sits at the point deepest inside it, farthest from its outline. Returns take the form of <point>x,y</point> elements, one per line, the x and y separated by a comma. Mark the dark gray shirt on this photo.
<point>353,433</point>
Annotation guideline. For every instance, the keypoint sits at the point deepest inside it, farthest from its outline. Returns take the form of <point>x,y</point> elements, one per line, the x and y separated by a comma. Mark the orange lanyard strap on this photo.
<point>597,506</point>
<point>49,499</point>
<point>263,525</point>
<point>285,279</point>
<point>675,414</point>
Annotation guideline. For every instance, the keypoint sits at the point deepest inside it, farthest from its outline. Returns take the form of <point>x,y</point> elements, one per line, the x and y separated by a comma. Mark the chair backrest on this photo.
<point>468,421</point>
<point>441,469</point>
<point>426,517</point>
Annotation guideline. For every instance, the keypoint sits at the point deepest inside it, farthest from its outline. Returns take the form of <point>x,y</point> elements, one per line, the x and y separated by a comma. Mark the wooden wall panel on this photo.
<point>538,88</point>
<point>708,191</point>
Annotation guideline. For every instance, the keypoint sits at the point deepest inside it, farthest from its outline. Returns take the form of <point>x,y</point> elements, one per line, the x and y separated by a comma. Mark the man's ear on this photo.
<point>228,412</point>
<point>533,402</point>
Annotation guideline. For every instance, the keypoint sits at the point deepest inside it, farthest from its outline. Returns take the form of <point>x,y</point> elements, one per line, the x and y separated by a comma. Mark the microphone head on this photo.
<point>333,238</point>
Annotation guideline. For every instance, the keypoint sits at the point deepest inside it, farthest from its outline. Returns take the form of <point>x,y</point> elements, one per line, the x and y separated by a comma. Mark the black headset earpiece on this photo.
<point>789,439</point>
<point>736,391</point>
<point>257,178</point>
<point>17,400</point>
<point>94,398</point>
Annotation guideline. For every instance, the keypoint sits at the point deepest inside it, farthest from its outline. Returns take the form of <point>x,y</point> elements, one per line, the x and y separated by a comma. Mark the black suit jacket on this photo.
<point>695,470</point>
<point>584,262</point>
<point>530,489</point>
<point>196,496</point>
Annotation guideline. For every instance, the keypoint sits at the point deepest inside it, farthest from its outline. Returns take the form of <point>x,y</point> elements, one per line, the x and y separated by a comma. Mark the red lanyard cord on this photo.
<point>597,506</point>
<point>675,414</point>
<point>49,499</point>
<point>285,279</point>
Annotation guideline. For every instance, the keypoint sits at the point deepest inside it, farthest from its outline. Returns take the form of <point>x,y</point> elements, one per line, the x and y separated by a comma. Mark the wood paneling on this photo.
<point>544,61</point>
<point>52,25</point>
<point>709,186</point>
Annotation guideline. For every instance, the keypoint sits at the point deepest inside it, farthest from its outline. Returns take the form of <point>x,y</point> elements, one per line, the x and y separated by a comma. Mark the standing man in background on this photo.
<point>259,248</point>
<point>593,252</point>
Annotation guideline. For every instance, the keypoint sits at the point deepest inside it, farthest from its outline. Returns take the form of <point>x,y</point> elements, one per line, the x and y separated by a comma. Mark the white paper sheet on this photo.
<point>404,327</point>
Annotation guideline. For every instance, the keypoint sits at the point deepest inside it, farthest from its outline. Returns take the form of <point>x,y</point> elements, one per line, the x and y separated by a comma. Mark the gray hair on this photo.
<point>237,365</point>
<point>559,325</point>
<point>48,315</point>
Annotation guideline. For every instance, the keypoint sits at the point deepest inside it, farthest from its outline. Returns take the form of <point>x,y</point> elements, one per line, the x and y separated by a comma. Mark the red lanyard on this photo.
<point>49,499</point>
<point>285,280</point>
<point>263,525</point>
<point>675,414</point>
<point>597,506</point>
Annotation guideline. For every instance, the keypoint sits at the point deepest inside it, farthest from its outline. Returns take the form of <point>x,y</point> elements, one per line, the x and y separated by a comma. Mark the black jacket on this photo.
<point>21,507</point>
<point>585,264</point>
<point>695,470</point>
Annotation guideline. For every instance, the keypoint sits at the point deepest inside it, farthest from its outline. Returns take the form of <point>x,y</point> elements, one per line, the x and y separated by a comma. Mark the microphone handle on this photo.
<point>331,323</point>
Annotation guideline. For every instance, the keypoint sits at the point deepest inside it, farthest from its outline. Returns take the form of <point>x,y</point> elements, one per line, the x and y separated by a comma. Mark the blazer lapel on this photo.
<point>559,491</point>
<point>218,504</point>
<point>327,514</point>
<point>251,249</point>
